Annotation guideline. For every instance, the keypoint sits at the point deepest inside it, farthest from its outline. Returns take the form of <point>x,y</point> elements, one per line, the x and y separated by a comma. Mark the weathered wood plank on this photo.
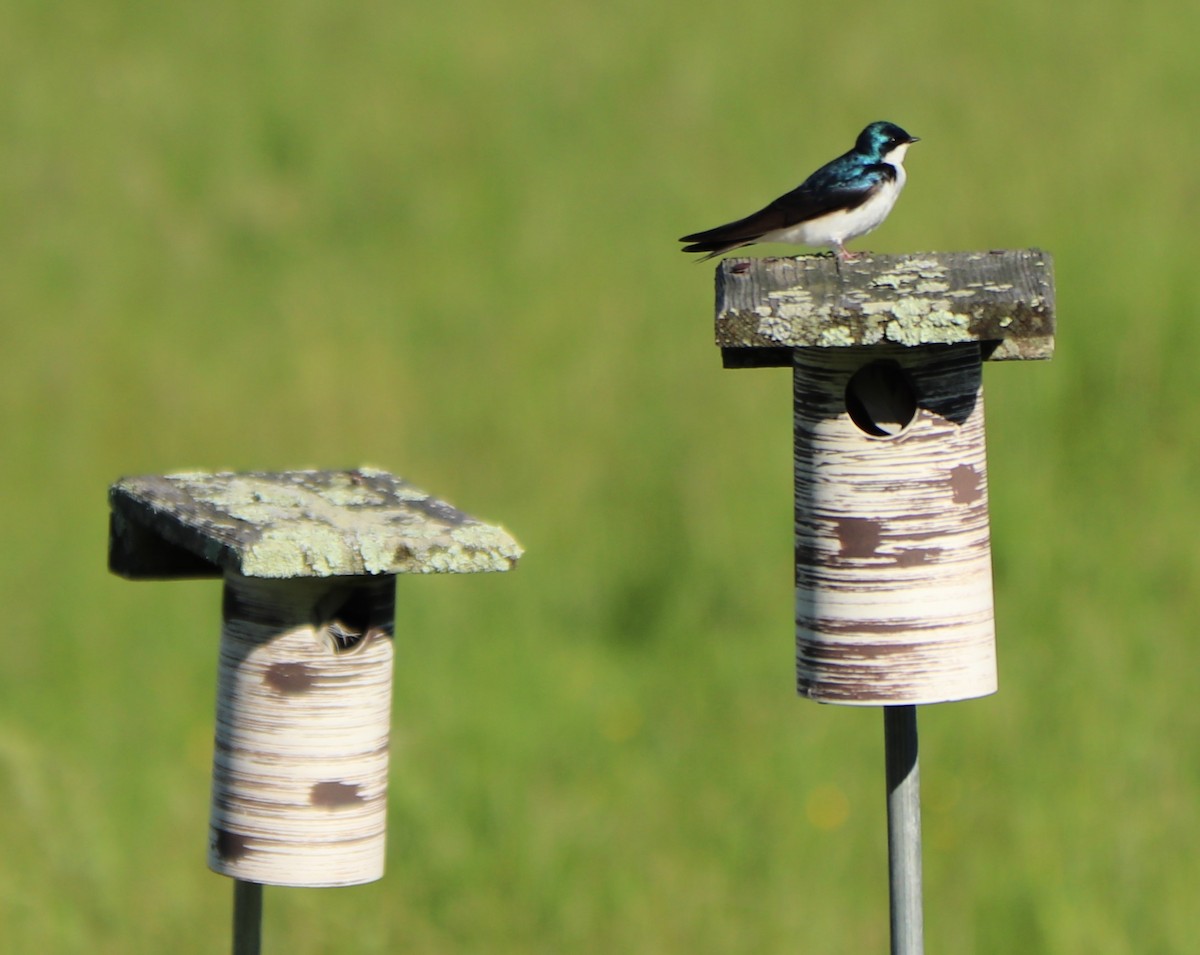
<point>294,524</point>
<point>767,307</point>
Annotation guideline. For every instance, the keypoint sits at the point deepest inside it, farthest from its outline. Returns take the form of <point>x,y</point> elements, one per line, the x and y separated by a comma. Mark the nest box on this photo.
<point>893,557</point>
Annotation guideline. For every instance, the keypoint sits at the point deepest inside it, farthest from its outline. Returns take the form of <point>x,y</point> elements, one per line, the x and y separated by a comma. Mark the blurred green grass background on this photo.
<point>439,239</point>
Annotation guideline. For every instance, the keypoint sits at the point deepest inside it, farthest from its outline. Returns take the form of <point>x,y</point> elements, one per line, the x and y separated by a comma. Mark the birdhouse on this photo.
<point>309,561</point>
<point>893,558</point>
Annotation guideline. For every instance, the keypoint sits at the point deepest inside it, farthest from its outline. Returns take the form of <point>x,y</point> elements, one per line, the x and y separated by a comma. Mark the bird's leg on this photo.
<point>842,255</point>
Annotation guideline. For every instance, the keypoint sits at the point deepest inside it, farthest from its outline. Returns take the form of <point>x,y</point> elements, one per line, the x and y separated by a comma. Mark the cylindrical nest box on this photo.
<point>300,756</point>
<point>893,561</point>
<point>309,561</point>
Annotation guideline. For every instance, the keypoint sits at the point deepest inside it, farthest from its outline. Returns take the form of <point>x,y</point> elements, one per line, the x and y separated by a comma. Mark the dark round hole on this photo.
<point>880,398</point>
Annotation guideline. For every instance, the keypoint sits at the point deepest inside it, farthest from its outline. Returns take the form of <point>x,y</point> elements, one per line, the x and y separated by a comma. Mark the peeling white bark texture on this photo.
<point>300,759</point>
<point>893,560</point>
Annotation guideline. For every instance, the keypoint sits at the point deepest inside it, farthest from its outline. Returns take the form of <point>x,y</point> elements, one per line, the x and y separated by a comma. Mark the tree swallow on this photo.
<point>840,201</point>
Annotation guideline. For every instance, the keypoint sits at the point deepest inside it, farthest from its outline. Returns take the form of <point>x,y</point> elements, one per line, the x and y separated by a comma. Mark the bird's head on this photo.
<point>884,142</point>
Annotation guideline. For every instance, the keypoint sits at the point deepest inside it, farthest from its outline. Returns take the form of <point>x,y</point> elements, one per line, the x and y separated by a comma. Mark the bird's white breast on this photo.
<point>839,227</point>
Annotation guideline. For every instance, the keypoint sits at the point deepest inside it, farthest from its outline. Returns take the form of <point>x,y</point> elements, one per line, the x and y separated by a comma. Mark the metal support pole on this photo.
<point>247,917</point>
<point>904,828</point>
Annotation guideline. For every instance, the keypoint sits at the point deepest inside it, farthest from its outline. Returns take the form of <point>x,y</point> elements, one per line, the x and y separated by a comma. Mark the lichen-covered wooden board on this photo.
<point>294,524</point>
<point>767,307</point>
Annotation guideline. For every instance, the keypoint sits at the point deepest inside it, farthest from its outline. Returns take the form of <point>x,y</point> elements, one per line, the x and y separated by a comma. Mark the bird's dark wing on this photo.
<point>831,188</point>
<point>826,190</point>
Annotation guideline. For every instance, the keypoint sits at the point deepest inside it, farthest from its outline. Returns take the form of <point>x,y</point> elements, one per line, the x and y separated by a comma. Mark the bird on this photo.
<point>842,200</point>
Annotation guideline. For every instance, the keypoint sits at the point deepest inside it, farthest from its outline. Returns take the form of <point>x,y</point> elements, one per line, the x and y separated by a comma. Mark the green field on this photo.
<point>439,239</point>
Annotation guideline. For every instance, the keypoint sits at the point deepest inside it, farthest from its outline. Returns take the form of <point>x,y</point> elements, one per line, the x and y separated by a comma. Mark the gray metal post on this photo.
<point>247,917</point>
<point>901,755</point>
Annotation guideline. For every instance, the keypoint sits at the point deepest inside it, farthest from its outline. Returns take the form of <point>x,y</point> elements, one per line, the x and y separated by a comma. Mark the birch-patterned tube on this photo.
<point>300,759</point>
<point>893,560</point>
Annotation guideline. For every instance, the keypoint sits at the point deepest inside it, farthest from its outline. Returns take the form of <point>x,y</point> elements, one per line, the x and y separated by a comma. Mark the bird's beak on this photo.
<point>915,139</point>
